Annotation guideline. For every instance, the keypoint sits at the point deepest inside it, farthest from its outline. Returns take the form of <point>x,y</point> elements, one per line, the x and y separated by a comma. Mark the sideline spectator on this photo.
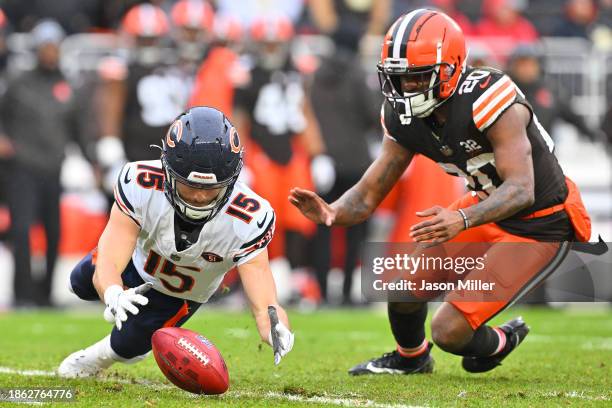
<point>502,18</point>
<point>525,70</point>
<point>39,118</point>
<point>347,21</point>
<point>449,7</point>
<point>578,19</point>
<point>346,110</point>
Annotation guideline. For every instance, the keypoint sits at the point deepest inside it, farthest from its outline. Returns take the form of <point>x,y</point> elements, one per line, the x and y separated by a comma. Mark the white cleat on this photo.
<point>88,362</point>
<point>81,364</point>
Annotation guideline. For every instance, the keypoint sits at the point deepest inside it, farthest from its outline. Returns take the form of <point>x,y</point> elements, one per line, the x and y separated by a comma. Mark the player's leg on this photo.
<point>133,342</point>
<point>80,281</point>
<point>22,207</point>
<point>452,332</point>
<point>407,314</point>
<point>50,216</point>
<point>459,326</point>
<point>412,355</point>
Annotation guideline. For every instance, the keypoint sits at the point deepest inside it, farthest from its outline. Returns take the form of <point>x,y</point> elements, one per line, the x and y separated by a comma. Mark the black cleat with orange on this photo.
<point>516,330</point>
<point>394,363</point>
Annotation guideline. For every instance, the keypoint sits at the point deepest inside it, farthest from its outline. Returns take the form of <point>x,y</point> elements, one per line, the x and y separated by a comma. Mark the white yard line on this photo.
<point>577,395</point>
<point>342,402</point>
<point>27,373</point>
<point>329,400</point>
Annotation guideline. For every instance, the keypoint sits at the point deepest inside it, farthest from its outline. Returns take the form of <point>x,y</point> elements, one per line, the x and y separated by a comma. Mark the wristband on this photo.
<point>466,222</point>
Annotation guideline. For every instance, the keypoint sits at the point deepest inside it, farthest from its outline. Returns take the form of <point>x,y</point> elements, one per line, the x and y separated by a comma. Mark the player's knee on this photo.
<point>80,281</point>
<point>450,336</point>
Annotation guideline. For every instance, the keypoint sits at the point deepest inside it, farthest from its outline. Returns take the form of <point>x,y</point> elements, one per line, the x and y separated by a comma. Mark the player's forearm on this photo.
<point>353,207</point>
<point>505,201</point>
<point>115,249</point>
<point>105,277</point>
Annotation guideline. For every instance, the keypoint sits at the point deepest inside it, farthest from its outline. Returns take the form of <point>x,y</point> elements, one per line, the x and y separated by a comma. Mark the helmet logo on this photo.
<point>234,140</point>
<point>202,178</point>
<point>176,129</point>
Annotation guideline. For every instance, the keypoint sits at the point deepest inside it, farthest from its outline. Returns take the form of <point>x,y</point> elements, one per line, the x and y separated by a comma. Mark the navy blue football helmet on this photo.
<point>201,150</point>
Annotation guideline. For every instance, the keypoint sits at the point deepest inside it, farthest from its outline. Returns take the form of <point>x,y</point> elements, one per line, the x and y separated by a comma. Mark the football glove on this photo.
<point>119,302</point>
<point>323,173</point>
<point>111,157</point>
<point>280,336</point>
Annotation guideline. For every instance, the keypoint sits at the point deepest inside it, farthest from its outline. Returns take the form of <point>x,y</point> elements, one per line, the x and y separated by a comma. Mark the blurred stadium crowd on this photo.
<point>86,85</point>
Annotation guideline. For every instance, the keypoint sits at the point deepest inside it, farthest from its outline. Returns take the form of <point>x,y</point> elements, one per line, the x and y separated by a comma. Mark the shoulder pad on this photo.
<point>253,224</point>
<point>135,184</point>
<point>495,93</point>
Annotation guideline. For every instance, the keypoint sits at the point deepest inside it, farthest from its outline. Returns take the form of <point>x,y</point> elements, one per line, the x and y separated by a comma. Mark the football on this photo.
<point>190,361</point>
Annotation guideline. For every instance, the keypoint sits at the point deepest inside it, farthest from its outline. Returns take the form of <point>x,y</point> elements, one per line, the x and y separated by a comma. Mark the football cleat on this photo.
<point>88,362</point>
<point>394,363</point>
<point>516,330</point>
<point>81,364</point>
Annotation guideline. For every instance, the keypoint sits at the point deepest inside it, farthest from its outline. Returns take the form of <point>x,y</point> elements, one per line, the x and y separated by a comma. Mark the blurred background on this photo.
<point>86,85</point>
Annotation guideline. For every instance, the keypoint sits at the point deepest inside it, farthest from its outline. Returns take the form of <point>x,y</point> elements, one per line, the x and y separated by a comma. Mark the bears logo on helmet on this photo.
<point>175,132</point>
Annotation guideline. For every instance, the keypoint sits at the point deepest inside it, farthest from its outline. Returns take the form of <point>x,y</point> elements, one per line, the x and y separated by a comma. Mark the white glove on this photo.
<point>109,151</point>
<point>111,156</point>
<point>323,173</point>
<point>110,176</point>
<point>119,301</point>
<point>285,338</point>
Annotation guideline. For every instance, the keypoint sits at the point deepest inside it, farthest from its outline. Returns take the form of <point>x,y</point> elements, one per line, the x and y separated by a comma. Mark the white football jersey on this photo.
<point>241,229</point>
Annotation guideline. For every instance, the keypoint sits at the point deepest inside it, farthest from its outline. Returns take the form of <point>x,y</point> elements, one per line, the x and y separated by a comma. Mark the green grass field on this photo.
<point>565,361</point>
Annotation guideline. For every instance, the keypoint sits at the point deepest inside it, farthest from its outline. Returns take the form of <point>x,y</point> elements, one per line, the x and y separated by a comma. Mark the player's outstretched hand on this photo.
<point>280,338</point>
<point>443,225</point>
<point>312,206</point>
<point>119,302</point>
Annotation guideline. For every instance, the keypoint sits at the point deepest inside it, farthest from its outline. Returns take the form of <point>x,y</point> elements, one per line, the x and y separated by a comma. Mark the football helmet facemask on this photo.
<point>201,150</point>
<point>428,48</point>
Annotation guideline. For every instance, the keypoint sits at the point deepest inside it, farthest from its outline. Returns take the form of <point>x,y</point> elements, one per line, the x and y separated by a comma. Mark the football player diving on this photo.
<point>476,124</point>
<point>177,226</point>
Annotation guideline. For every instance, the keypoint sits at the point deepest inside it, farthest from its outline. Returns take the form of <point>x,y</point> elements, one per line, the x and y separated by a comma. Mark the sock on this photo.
<point>486,341</point>
<point>415,351</point>
<point>409,330</point>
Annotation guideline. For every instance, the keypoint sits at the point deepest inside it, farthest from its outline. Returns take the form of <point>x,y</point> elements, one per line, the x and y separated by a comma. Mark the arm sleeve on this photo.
<point>258,237</point>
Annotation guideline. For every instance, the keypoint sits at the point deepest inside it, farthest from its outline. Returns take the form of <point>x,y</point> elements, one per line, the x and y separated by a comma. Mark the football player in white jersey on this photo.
<point>177,226</point>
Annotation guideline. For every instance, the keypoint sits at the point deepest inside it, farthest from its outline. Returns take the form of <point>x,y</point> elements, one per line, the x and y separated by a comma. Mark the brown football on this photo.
<point>190,361</point>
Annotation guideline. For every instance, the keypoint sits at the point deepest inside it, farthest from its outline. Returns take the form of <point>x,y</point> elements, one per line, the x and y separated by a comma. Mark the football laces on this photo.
<point>193,350</point>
